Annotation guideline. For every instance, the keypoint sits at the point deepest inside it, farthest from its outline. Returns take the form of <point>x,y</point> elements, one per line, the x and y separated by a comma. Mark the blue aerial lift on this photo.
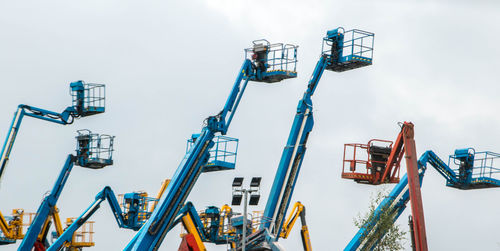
<point>213,225</point>
<point>264,62</point>
<point>87,100</point>
<point>199,231</point>
<point>475,171</point>
<point>132,213</point>
<point>207,226</point>
<point>342,51</point>
<point>93,151</point>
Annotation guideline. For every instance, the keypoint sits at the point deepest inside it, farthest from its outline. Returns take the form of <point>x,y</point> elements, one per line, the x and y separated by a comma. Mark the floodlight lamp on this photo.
<point>255,182</point>
<point>254,199</point>
<point>236,201</point>
<point>238,182</point>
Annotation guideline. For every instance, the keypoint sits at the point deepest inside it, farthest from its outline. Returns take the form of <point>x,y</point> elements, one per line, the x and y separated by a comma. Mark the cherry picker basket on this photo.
<point>137,207</point>
<point>347,50</point>
<point>93,150</point>
<point>476,168</point>
<point>88,99</point>
<point>222,155</point>
<point>16,226</point>
<point>368,161</point>
<point>83,237</point>
<point>272,62</point>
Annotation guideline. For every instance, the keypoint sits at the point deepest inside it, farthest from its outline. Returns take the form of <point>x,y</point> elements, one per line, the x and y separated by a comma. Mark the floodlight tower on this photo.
<point>239,192</point>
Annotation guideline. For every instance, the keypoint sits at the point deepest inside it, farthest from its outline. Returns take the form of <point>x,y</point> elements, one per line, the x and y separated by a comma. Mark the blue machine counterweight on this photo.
<point>93,151</point>
<point>151,235</point>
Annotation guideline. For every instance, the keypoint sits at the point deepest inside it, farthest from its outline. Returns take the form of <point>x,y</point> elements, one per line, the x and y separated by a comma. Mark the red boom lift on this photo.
<point>382,166</point>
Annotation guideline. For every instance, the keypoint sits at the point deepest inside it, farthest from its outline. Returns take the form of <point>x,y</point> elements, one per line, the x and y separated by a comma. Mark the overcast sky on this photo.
<point>168,65</point>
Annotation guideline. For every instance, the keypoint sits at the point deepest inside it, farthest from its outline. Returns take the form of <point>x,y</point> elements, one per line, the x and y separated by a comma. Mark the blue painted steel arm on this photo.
<point>59,118</point>
<point>396,202</point>
<point>106,193</point>
<point>292,156</point>
<point>236,93</point>
<point>218,123</point>
<point>152,233</point>
<point>22,110</point>
<point>48,202</point>
<point>190,210</point>
<point>441,167</point>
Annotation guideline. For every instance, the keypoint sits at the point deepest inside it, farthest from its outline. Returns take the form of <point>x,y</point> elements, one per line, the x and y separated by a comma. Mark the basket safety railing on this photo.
<point>225,149</point>
<point>356,43</point>
<point>280,57</point>
<point>99,146</point>
<point>84,236</point>
<point>361,157</point>
<point>485,165</point>
<point>145,208</point>
<point>94,97</point>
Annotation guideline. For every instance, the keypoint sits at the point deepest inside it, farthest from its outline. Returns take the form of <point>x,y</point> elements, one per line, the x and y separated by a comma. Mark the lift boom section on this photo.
<point>88,99</point>
<point>136,210</point>
<point>151,235</point>
<point>298,211</point>
<point>129,219</point>
<point>341,51</point>
<point>194,227</point>
<point>207,226</point>
<point>48,203</point>
<point>394,204</point>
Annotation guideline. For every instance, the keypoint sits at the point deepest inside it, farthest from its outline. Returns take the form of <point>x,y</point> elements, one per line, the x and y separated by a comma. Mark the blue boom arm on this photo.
<point>190,210</point>
<point>48,203</point>
<point>292,156</point>
<point>440,166</point>
<point>64,118</point>
<point>151,235</point>
<point>106,194</point>
<point>25,110</point>
<point>332,58</point>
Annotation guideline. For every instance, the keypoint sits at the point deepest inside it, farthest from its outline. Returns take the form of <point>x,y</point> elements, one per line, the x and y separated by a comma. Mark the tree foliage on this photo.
<point>382,233</point>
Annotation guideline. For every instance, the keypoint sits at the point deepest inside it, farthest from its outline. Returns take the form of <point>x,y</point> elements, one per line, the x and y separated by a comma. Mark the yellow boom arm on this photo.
<point>298,210</point>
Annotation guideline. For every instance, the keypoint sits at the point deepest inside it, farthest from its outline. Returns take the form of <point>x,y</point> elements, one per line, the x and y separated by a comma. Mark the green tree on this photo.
<point>382,233</point>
